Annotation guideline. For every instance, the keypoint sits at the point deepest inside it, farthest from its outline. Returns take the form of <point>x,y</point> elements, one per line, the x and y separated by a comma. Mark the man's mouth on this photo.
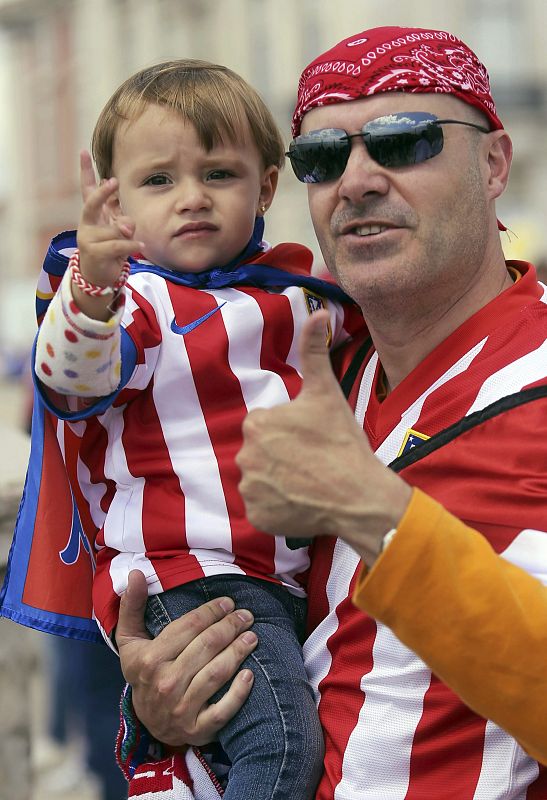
<point>369,230</point>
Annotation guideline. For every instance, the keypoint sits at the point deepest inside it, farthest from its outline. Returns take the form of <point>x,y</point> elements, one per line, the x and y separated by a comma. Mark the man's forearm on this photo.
<point>448,596</point>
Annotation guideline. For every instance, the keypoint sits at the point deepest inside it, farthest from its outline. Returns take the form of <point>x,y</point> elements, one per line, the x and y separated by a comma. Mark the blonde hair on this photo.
<point>217,101</point>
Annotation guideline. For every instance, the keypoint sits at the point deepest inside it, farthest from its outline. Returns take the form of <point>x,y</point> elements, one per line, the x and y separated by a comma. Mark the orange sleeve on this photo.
<point>479,622</point>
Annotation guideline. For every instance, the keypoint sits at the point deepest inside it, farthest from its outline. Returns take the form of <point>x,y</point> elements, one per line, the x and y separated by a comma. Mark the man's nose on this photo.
<point>362,175</point>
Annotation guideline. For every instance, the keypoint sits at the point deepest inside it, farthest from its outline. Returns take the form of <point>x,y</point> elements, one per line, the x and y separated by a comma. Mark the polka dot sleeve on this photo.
<point>77,355</point>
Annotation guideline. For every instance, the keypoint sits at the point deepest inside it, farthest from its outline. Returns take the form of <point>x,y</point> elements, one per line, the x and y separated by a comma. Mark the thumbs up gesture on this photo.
<point>307,468</point>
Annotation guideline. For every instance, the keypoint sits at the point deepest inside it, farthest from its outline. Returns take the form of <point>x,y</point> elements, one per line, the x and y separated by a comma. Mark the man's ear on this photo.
<point>268,186</point>
<point>500,155</point>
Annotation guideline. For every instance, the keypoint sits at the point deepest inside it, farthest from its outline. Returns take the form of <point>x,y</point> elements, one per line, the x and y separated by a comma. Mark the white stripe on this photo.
<point>506,770</point>
<point>288,563</point>
<point>397,685</point>
<point>216,562</point>
<point>127,501</point>
<point>300,314</point>
<point>528,550</point>
<point>522,372</point>
<point>93,493</point>
<point>122,564</point>
<point>44,286</point>
<point>244,325</point>
<point>365,389</point>
<point>126,505</point>
<point>203,788</point>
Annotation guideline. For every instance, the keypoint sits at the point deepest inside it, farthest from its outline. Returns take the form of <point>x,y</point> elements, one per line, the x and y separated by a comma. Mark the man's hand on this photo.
<point>174,675</point>
<point>307,468</point>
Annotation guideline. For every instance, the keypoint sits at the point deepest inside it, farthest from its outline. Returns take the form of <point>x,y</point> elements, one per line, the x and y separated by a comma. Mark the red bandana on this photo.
<point>395,60</point>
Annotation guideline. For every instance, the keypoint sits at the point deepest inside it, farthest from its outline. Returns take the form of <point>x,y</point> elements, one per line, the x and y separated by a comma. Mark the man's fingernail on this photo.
<point>249,637</point>
<point>226,604</point>
<point>246,675</point>
<point>244,615</point>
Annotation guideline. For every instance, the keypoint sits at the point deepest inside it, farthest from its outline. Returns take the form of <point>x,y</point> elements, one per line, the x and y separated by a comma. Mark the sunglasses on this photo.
<point>396,140</point>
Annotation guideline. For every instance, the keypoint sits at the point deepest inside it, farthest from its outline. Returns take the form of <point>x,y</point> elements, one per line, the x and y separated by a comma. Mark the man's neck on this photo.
<point>402,342</point>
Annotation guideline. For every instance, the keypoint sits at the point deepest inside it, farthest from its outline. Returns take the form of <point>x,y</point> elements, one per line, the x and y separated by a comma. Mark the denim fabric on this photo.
<point>274,742</point>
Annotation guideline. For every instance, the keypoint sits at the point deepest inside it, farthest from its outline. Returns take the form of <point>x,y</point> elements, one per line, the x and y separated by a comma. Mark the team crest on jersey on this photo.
<point>314,302</point>
<point>412,439</point>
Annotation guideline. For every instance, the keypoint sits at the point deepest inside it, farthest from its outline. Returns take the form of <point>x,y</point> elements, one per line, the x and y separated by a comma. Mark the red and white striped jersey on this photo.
<point>157,469</point>
<point>393,730</point>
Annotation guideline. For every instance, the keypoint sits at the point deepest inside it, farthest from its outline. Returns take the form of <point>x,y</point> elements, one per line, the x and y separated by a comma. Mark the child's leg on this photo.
<point>275,742</point>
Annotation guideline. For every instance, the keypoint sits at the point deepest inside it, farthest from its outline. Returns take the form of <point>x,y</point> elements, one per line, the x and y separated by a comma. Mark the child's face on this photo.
<point>193,209</point>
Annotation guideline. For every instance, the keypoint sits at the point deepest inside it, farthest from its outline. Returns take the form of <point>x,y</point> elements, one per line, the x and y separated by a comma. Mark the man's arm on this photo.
<point>449,575</point>
<point>308,470</point>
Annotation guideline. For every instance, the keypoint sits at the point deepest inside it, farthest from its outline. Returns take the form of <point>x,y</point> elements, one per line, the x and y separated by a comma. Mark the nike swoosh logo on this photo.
<point>183,329</point>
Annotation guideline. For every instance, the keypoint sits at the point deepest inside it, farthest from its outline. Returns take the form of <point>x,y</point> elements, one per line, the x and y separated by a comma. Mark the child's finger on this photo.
<point>92,212</point>
<point>88,181</point>
<point>126,226</point>
<point>115,249</point>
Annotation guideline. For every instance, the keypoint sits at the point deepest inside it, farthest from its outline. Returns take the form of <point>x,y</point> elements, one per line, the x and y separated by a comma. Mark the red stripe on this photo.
<point>277,337</point>
<point>92,453</point>
<point>144,328</point>
<point>447,749</point>
<point>508,339</point>
<point>218,391</point>
<point>224,409</point>
<point>490,472</point>
<point>445,406</point>
<point>147,453</point>
<point>538,789</point>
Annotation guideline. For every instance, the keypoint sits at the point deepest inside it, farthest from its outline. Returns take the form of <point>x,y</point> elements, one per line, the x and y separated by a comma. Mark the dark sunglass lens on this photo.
<point>404,149</point>
<point>319,157</point>
<point>401,140</point>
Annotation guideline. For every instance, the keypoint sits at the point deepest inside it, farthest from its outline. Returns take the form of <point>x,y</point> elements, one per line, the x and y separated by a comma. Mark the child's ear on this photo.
<point>268,186</point>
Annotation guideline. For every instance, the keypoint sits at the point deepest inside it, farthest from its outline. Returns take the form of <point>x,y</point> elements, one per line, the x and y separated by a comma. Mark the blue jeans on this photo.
<point>274,743</point>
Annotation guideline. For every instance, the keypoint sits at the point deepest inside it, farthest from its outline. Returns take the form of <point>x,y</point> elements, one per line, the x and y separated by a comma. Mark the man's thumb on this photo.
<point>315,363</point>
<point>132,606</point>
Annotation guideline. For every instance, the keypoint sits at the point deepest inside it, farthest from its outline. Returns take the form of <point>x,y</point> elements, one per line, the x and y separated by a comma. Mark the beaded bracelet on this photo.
<point>91,288</point>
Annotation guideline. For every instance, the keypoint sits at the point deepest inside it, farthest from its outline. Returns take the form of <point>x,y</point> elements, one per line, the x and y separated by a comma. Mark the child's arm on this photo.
<point>78,345</point>
<point>77,355</point>
<point>105,240</point>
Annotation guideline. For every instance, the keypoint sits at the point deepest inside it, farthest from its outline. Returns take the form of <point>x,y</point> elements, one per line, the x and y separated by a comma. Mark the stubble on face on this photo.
<point>422,274</point>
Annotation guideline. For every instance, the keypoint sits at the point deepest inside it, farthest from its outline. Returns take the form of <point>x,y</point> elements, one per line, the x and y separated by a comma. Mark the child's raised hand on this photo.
<point>105,239</point>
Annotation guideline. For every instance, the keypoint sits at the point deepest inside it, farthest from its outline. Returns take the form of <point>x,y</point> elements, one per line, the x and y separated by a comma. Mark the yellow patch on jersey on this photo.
<point>411,440</point>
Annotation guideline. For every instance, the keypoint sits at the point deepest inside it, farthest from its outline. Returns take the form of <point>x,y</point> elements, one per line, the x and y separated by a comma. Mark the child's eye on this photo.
<point>219,175</point>
<point>156,180</point>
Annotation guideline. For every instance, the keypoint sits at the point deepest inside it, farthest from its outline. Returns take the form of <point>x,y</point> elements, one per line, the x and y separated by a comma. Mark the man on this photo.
<point>398,137</point>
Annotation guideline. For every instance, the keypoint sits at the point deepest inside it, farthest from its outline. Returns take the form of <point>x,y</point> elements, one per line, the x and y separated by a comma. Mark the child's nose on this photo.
<point>192,196</point>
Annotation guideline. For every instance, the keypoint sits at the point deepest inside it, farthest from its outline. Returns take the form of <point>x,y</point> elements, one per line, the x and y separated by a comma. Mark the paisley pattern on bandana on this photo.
<point>395,60</point>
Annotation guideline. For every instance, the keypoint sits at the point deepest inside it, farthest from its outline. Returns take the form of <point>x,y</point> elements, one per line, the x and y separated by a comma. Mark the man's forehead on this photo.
<point>354,113</point>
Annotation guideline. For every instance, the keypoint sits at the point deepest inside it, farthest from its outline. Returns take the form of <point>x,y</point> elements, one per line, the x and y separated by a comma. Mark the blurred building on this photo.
<point>61,59</point>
